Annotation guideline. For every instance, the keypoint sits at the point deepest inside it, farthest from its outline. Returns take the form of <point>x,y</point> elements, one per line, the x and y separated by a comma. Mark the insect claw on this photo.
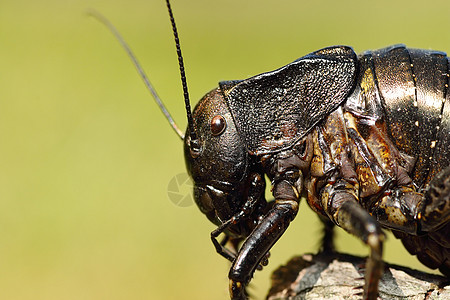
<point>359,290</point>
<point>358,294</point>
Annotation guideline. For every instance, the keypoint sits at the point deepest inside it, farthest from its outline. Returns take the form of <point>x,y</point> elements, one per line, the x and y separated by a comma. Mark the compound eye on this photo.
<point>218,125</point>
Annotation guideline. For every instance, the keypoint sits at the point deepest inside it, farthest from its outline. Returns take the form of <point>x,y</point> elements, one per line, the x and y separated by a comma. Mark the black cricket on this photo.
<point>364,138</point>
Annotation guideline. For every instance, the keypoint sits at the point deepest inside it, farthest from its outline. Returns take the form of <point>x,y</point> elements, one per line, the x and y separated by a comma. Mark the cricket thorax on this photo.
<point>353,154</point>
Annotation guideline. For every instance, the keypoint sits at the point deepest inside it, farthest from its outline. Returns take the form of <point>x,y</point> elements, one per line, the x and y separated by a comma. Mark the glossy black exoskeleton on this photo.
<point>364,138</point>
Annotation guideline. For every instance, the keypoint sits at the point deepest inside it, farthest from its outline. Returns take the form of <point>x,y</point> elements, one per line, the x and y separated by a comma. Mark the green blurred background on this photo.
<point>86,157</point>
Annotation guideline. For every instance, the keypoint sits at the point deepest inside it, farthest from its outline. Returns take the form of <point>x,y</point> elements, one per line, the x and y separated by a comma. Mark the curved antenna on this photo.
<point>194,144</point>
<point>138,67</point>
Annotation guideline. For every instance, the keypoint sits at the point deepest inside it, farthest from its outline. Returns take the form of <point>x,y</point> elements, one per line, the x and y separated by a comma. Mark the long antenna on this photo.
<point>140,70</point>
<point>195,146</point>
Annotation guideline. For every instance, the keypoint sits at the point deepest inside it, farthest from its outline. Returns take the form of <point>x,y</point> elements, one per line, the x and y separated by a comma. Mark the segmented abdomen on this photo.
<point>413,86</point>
<point>409,90</point>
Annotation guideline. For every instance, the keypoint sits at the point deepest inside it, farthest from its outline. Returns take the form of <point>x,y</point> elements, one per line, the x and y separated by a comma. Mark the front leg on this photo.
<point>265,234</point>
